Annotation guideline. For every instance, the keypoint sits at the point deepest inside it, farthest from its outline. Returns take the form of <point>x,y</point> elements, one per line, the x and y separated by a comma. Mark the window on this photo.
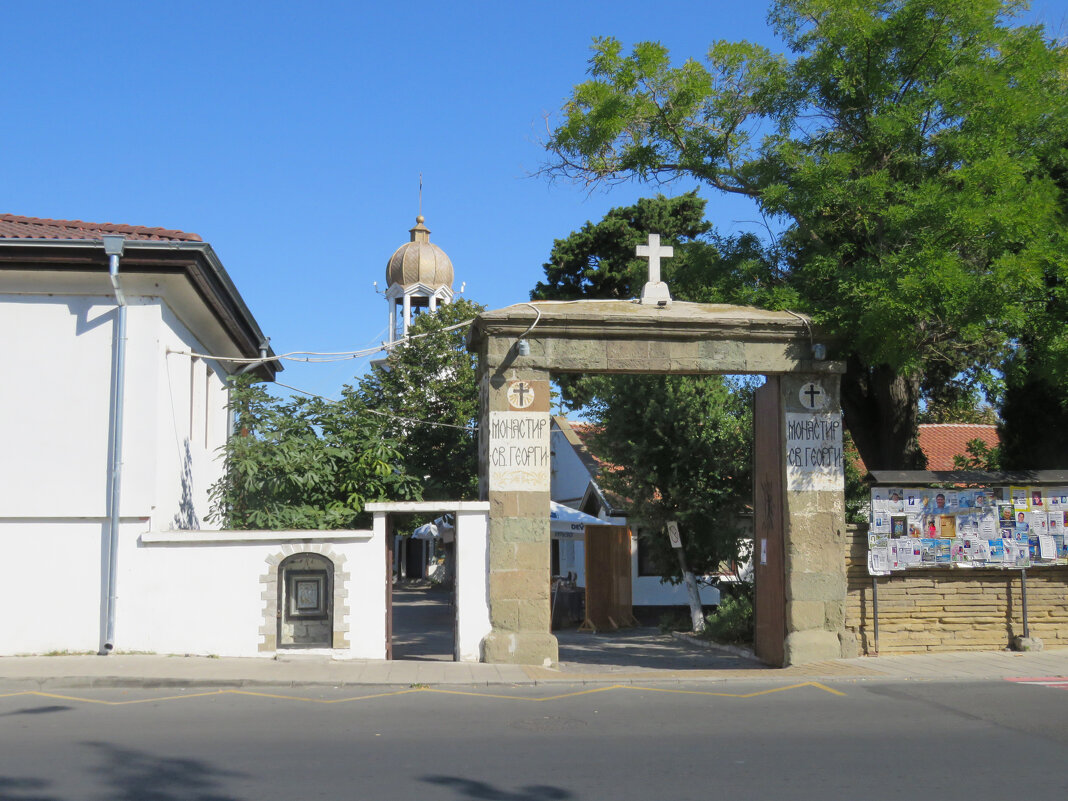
<point>647,564</point>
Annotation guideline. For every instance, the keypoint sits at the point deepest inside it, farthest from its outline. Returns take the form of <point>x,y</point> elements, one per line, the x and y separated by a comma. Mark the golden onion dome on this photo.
<point>419,261</point>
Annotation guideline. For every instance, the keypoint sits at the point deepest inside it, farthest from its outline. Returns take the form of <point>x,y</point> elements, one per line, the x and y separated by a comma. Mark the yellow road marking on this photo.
<point>815,684</point>
<point>409,690</point>
<point>58,697</point>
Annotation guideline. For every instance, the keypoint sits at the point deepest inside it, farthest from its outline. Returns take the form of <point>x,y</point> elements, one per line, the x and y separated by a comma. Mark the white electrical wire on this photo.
<point>322,356</point>
<point>382,414</point>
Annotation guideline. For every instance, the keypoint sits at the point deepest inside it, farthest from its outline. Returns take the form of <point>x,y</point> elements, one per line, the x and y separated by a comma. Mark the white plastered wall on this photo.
<point>201,592</point>
<point>193,591</point>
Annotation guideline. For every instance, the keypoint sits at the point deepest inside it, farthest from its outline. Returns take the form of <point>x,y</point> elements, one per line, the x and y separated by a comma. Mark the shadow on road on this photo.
<point>131,775</point>
<point>12,789</point>
<point>469,788</point>
<point>36,710</point>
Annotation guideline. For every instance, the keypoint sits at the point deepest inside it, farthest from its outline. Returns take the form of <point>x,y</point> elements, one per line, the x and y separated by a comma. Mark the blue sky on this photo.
<point>291,137</point>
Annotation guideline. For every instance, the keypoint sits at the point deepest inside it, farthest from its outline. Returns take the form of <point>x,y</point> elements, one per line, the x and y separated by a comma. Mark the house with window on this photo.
<point>575,484</point>
<point>119,341</point>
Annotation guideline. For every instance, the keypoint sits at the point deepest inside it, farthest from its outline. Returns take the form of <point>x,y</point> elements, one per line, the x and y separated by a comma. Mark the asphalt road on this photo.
<point>937,740</point>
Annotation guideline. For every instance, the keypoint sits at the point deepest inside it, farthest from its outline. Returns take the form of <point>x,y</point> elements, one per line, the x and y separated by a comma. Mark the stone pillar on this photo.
<point>814,512</point>
<point>514,470</point>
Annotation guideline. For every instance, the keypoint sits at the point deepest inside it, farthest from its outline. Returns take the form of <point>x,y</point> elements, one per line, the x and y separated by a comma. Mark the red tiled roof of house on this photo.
<point>584,432</point>
<point>940,442</point>
<point>14,227</point>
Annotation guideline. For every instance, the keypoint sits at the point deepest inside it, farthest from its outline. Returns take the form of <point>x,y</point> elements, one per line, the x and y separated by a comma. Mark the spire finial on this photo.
<point>420,218</point>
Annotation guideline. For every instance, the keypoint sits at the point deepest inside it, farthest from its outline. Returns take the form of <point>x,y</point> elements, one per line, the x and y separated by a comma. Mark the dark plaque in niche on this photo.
<point>307,595</point>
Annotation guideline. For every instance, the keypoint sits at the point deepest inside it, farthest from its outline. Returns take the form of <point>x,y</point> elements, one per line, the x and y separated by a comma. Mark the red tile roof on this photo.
<point>942,441</point>
<point>15,227</point>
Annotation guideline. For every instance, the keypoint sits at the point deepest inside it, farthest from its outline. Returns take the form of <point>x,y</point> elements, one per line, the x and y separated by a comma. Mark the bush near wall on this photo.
<point>951,609</point>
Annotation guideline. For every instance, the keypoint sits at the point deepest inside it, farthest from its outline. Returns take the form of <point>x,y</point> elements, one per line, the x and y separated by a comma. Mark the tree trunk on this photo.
<point>881,407</point>
<point>697,613</point>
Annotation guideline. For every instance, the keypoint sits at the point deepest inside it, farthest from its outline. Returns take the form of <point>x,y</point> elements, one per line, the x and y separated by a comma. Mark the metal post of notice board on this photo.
<point>875,609</point>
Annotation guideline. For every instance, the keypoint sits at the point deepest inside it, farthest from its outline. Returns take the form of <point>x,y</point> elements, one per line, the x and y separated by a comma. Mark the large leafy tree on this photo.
<point>304,463</point>
<point>427,397</point>
<point>908,150</point>
<point>680,445</point>
<point>599,261</point>
<point>681,449</point>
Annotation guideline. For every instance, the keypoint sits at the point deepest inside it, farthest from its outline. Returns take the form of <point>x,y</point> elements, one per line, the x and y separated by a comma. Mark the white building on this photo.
<point>60,319</point>
<point>129,330</point>
<point>574,484</point>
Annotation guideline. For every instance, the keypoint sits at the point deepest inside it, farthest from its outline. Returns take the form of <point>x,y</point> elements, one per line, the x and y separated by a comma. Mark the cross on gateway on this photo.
<point>812,396</point>
<point>655,291</point>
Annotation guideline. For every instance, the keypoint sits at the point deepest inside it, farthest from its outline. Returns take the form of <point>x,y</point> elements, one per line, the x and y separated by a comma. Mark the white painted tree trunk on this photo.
<point>697,615</point>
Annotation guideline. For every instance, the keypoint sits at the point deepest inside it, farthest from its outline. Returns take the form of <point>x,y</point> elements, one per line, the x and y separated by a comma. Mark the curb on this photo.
<point>709,645</point>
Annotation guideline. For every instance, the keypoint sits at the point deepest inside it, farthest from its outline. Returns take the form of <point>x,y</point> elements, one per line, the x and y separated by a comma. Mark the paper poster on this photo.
<point>940,502</point>
<point>895,559</point>
<point>1056,522</point>
<point>967,527</point>
<point>895,501</point>
<point>909,554</point>
<point>915,526</point>
<point>947,526</point>
<point>1058,498</point>
<point>988,525</point>
<point>1023,554</point>
<point>879,561</point>
<point>1039,523</point>
<point>978,550</point>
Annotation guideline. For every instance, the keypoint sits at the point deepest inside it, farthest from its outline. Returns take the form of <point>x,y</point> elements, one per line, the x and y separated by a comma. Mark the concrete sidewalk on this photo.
<point>146,670</point>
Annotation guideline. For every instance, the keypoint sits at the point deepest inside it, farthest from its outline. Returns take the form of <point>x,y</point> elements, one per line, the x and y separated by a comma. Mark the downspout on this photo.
<point>264,345</point>
<point>113,246</point>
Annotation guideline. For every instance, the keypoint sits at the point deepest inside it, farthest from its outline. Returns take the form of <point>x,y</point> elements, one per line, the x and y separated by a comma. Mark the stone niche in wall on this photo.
<point>305,602</point>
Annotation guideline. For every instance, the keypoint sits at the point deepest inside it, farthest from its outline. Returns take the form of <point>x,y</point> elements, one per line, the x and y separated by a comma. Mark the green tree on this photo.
<point>304,463</point>
<point>906,147</point>
<point>428,396</point>
<point>681,444</point>
<point>599,261</point>
<point>681,449</point>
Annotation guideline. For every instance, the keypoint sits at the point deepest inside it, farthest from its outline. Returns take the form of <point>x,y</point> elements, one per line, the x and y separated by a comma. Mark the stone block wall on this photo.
<point>951,609</point>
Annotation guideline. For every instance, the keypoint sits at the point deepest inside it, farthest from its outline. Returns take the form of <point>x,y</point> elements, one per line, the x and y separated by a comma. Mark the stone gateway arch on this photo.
<point>799,507</point>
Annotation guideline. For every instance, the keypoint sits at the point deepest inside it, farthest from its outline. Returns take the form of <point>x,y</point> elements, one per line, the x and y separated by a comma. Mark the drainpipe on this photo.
<point>263,356</point>
<point>113,246</point>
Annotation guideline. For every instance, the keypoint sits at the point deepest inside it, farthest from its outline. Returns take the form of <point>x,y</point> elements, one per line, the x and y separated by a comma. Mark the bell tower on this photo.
<point>418,277</point>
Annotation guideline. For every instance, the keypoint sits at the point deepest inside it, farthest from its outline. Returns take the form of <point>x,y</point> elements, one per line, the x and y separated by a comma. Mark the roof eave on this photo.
<point>205,272</point>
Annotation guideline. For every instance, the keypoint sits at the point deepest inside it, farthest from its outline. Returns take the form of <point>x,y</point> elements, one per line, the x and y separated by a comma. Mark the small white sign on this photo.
<point>814,457</point>
<point>673,534</point>
<point>519,452</point>
<point>763,551</point>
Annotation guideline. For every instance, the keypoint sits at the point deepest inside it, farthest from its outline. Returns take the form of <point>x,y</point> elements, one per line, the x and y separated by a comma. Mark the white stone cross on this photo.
<point>655,292</point>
